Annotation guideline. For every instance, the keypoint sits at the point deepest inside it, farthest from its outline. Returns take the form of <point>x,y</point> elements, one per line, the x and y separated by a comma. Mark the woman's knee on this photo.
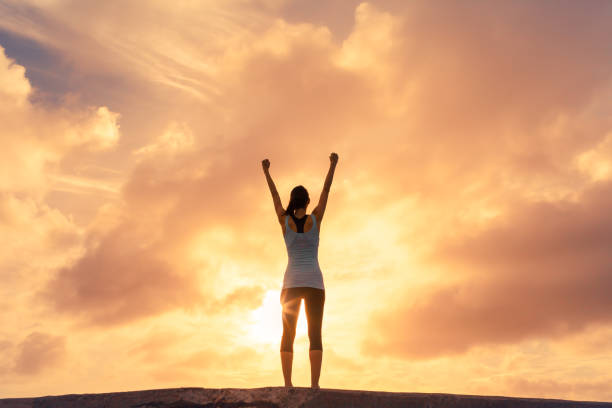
<point>316,345</point>
<point>287,341</point>
<point>314,336</point>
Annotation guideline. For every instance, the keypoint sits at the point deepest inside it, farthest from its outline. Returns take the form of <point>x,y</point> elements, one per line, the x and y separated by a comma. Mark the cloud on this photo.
<point>14,86</point>
<point>596,161</point>
<point>40,352</point>
<point>176,138</point>
<point>542,270</point>
<point>138,263</point>
<point>137,259</point>
<point>245,297</point>
<point>119,280</point>
<point>179,53</point>
<point>37,139</point>
<point>34,236</point>
<point>100,131</point>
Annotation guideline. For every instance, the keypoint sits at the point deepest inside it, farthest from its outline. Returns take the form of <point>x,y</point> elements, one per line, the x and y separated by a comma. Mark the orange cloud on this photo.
<point>117,282</point>
<point>40,352</point>
<point>540,271</point>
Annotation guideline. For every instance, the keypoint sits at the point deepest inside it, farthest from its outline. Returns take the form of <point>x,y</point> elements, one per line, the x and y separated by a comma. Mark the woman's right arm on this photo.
<point>320,208</point>
<point>278,206</point>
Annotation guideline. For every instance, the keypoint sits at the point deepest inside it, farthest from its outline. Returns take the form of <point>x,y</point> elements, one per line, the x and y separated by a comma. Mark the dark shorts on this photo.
<point>314,300</point>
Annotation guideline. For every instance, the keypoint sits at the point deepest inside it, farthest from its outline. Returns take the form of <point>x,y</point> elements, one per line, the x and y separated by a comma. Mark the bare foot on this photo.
<point>289,385</point>
<point>315,387</point>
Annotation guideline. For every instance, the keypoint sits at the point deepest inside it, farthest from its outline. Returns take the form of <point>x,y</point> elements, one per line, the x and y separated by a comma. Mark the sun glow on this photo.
<point>266,322</point>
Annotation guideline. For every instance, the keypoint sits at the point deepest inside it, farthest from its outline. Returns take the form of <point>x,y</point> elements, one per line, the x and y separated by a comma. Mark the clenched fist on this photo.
<point>265,164</point>
<point>333,158</point>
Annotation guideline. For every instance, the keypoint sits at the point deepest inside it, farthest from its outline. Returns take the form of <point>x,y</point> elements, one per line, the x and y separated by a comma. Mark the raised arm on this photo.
<point>278,206</point>
<point>320,208</point>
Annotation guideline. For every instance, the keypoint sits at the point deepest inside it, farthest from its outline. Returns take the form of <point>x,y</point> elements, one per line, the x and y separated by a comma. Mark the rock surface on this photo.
<point>281,397</point>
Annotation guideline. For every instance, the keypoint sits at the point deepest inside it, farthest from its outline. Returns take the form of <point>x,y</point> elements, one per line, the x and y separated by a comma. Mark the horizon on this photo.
<point>465,246</point>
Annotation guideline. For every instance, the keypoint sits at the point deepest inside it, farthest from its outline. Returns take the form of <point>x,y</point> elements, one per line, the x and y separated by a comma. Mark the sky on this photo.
<point>466,241</point>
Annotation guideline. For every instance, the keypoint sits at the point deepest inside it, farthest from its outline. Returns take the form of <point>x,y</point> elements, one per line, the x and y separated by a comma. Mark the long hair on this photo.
<point>299,198</point>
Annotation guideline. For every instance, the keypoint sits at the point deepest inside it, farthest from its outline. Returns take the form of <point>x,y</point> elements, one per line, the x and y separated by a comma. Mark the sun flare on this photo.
<point>266,322</point>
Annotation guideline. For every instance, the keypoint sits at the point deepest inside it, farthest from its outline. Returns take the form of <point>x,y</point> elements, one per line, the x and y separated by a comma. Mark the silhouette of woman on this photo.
<point>303,277</point>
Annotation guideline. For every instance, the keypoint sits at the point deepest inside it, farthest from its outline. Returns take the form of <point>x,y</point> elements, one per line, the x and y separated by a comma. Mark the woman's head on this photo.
<point>299,199</point>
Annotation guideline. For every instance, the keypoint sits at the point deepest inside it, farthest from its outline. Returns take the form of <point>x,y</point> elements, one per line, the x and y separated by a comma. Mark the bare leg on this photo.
<point>316,356</point>
<point>286,362</point>
<point>315,300</point>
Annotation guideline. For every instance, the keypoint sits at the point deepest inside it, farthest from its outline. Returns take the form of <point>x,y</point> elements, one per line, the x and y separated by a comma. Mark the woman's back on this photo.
<point>302,250</point>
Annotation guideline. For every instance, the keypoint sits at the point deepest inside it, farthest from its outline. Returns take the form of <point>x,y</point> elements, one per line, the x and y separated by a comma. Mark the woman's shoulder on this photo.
<point>316,215</point>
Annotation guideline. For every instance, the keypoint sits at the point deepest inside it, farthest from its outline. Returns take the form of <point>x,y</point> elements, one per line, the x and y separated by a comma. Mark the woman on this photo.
<point>303,277</point>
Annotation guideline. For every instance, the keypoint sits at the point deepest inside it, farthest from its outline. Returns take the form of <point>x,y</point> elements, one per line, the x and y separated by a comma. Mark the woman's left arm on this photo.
<point>278,206</point>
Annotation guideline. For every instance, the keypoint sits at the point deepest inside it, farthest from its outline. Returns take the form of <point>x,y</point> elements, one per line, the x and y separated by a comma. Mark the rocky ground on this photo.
<point>277,397</point>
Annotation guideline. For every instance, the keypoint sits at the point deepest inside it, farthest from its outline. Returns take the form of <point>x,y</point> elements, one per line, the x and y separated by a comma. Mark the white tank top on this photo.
<point>303,252</point>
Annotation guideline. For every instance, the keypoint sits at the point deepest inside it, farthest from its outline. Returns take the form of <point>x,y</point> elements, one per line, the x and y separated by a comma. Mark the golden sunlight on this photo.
<point>455,156</point>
